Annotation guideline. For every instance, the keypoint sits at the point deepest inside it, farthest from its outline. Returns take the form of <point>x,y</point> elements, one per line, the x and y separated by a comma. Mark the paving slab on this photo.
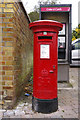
<point>67,102</point>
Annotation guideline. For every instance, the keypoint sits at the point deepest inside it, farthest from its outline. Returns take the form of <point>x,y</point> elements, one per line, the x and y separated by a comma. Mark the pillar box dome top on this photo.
<point>45,25</point>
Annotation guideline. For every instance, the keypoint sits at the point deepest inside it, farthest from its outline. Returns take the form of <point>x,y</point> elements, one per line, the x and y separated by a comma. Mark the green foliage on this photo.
<point>76,33</point>
<point>34,15</point>
<point>79,26</point>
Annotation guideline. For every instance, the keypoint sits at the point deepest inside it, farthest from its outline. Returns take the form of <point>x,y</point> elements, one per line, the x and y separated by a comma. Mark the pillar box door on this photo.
<point>45,65</point>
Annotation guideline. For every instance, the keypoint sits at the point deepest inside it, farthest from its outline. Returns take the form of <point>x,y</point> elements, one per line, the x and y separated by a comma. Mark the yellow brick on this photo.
<point>8,53</point>
<point>0,77</point>
<point>8,1</point>
<point>0,67</point>
<point>2,5</point>
<point>2,63</point>
<point>9,15</point>
<point>9,5</point>
<point>3,34</point>
<point>7,77</point>
<point>9,25</point>
<point>9,62</point>
<point>0,87</point>
<point>8,83</point>
<point>0,48</point>
<point>2,15</point>
<point>2,44</point>
<point>9,34</point>
<point>8,58</point>
<point>1,57</point>
<point>2,24</point>
<point>0,9</point>
<point>15,9</point>
<point>0,34</point>
<point>7,30</point>
<point>0,82</point>
<point>1,20</point>
<point>8,10</point>
<point>8,49</point>
<point>0,39</point>
<point>10,92</point>
<point>5,20</point>
<point>8,39</point>
<point>9,72</point>
<point>0,30</point>
<point>9,44</point>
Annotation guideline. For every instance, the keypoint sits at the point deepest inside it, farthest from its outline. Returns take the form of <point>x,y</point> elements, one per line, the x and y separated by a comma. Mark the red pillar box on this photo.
<point>45,65</point>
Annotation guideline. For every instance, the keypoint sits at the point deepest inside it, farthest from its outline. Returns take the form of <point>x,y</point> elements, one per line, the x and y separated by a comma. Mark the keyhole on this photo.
<point>54,66</point>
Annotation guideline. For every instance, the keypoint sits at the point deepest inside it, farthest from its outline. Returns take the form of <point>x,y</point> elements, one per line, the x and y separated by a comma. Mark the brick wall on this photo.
<point>15,52</point>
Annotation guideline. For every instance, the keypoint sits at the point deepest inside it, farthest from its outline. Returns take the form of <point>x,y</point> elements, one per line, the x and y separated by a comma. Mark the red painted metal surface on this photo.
<point>45,58</point>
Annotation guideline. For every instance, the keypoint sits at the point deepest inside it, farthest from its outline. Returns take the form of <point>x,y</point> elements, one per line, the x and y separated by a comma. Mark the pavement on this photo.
<point>67,102</point>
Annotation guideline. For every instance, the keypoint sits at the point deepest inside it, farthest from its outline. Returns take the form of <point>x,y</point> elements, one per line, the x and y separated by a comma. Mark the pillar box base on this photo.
<point>44,106</point>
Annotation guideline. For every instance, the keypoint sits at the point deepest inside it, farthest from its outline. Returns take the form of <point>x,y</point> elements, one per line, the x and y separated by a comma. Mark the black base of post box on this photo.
<point>44,106</point>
